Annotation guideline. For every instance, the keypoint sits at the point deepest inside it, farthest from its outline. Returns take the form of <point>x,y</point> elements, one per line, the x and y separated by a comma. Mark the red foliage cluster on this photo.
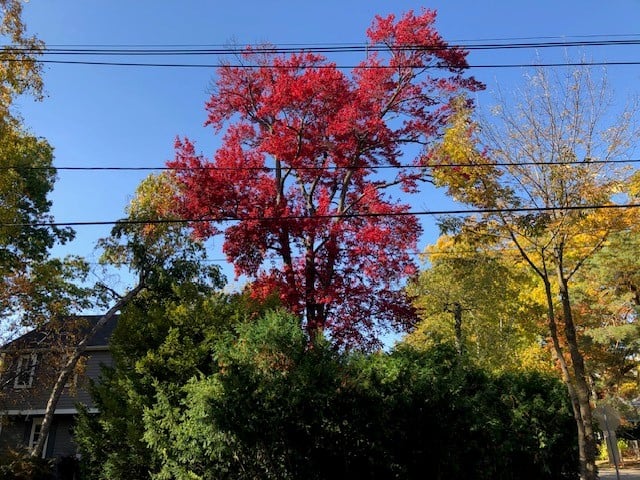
<point>312,217</point>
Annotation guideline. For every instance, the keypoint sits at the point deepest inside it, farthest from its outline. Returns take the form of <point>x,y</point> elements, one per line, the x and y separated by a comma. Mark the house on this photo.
<point>30,366</point>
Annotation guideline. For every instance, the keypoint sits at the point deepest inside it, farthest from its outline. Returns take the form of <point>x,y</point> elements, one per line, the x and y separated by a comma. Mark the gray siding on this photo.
<point>14,432</point>
<point>80,394</point>
<point>21,407</point>
<point>63,444</point>
<point>31,402</point>
<point>36,396</point>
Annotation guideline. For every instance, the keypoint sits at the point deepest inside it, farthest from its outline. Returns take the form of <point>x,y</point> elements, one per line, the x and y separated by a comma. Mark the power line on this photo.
<point>453,41</point>
<point>335,48</point>
<point>330,216</point>
<point>328,66</point>
<point>355,47</point>
<point>467,254</point>
<point>327,168</point>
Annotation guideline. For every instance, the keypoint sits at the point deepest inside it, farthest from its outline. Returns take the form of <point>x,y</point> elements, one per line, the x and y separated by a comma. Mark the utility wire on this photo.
<point>426,255</point>
<point>336,48</point>
<point>326,168</point>
<point>178,50</point>
<point>453,41</point>
<point>331,216</point>
<point>467,254</point>
<point>515,43</point>
<point>341,67</point>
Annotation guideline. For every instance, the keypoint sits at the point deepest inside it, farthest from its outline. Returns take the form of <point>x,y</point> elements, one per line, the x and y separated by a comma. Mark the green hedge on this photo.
<point>278,408</point>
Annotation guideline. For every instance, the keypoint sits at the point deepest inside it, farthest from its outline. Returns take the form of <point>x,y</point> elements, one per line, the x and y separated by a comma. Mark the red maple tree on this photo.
<point>301,186</point>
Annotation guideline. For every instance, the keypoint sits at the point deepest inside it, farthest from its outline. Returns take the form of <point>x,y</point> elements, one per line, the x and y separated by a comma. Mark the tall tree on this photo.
<point>546,163</point>
<point>20,71</point>
<point>34,288</point>
<point>477,299</point>
<point>607,299</point>
<point>298,187</point>
<point>163,337</point>
<point>619,268</point>
<point>159,253</point>
<point>27,178</point>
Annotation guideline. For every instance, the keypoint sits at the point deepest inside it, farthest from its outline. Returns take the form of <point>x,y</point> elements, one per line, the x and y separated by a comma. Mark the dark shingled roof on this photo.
<point>39,337</point>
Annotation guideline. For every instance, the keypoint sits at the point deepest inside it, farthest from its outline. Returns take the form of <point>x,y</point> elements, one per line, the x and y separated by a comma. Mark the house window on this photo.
<point>36,428</point>
<point>25,370</point>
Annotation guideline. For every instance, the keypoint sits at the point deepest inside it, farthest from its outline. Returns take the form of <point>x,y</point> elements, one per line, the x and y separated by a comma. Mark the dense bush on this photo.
<point>199,393</point>
<point>163,337</point>
<point>279,408</point>
<point>20,465</point>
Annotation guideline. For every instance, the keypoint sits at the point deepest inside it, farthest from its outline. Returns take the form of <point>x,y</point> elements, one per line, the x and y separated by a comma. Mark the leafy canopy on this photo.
<point>548,156</point>
<point>297,186</point>
<point>275,409</point>
<point>31,283</point>
<point>499,318</point>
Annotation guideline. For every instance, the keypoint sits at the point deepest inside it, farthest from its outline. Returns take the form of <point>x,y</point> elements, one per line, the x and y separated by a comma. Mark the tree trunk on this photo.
<point>588,468</point>
<point>69,366</point>
<point>457,325</point>
<point>558,355</point>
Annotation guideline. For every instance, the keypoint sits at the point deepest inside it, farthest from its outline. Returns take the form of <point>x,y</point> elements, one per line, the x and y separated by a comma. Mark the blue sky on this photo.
<point>125,116</point>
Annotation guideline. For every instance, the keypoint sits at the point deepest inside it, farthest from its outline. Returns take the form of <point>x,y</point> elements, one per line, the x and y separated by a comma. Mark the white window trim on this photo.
<point>31,360</point>
<point>37,422</point>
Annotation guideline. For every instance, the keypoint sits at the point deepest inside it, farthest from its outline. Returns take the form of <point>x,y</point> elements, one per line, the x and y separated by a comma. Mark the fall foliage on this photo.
<point>33,286</point>
<point>549,156</point>
<point>296,187</point>
<point>491,299</point>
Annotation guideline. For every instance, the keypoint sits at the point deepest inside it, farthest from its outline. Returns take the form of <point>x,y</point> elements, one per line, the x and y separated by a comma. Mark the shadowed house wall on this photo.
<point>30,366</point>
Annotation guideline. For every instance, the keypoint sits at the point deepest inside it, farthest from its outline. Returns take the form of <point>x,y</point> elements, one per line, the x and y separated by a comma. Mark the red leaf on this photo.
<point>296,173</point>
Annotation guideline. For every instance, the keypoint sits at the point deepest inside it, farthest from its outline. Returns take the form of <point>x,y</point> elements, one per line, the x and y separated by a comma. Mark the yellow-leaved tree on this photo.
<point>483,302</point>
<point>540,178</point>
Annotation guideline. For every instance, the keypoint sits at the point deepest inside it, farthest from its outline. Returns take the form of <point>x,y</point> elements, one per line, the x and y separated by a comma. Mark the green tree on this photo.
<point>276,408</point>
<point>607,299</point>
<point>159,252</point>
<point>35,289</point>
<point>163,337</point>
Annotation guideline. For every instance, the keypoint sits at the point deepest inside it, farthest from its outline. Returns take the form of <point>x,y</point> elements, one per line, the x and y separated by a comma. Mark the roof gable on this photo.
<point>64,332</point>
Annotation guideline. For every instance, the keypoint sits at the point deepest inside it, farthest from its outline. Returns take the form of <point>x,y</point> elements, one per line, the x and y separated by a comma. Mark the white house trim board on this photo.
<point>97,348</point>
<point>41,411</point>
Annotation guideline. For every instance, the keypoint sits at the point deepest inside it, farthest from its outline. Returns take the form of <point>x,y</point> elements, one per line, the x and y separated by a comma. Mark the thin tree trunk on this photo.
<point>589,470</point>
<point>314,323</point>
<point>457,325</point>
<point>566,374</point>
<point>69,366</point>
